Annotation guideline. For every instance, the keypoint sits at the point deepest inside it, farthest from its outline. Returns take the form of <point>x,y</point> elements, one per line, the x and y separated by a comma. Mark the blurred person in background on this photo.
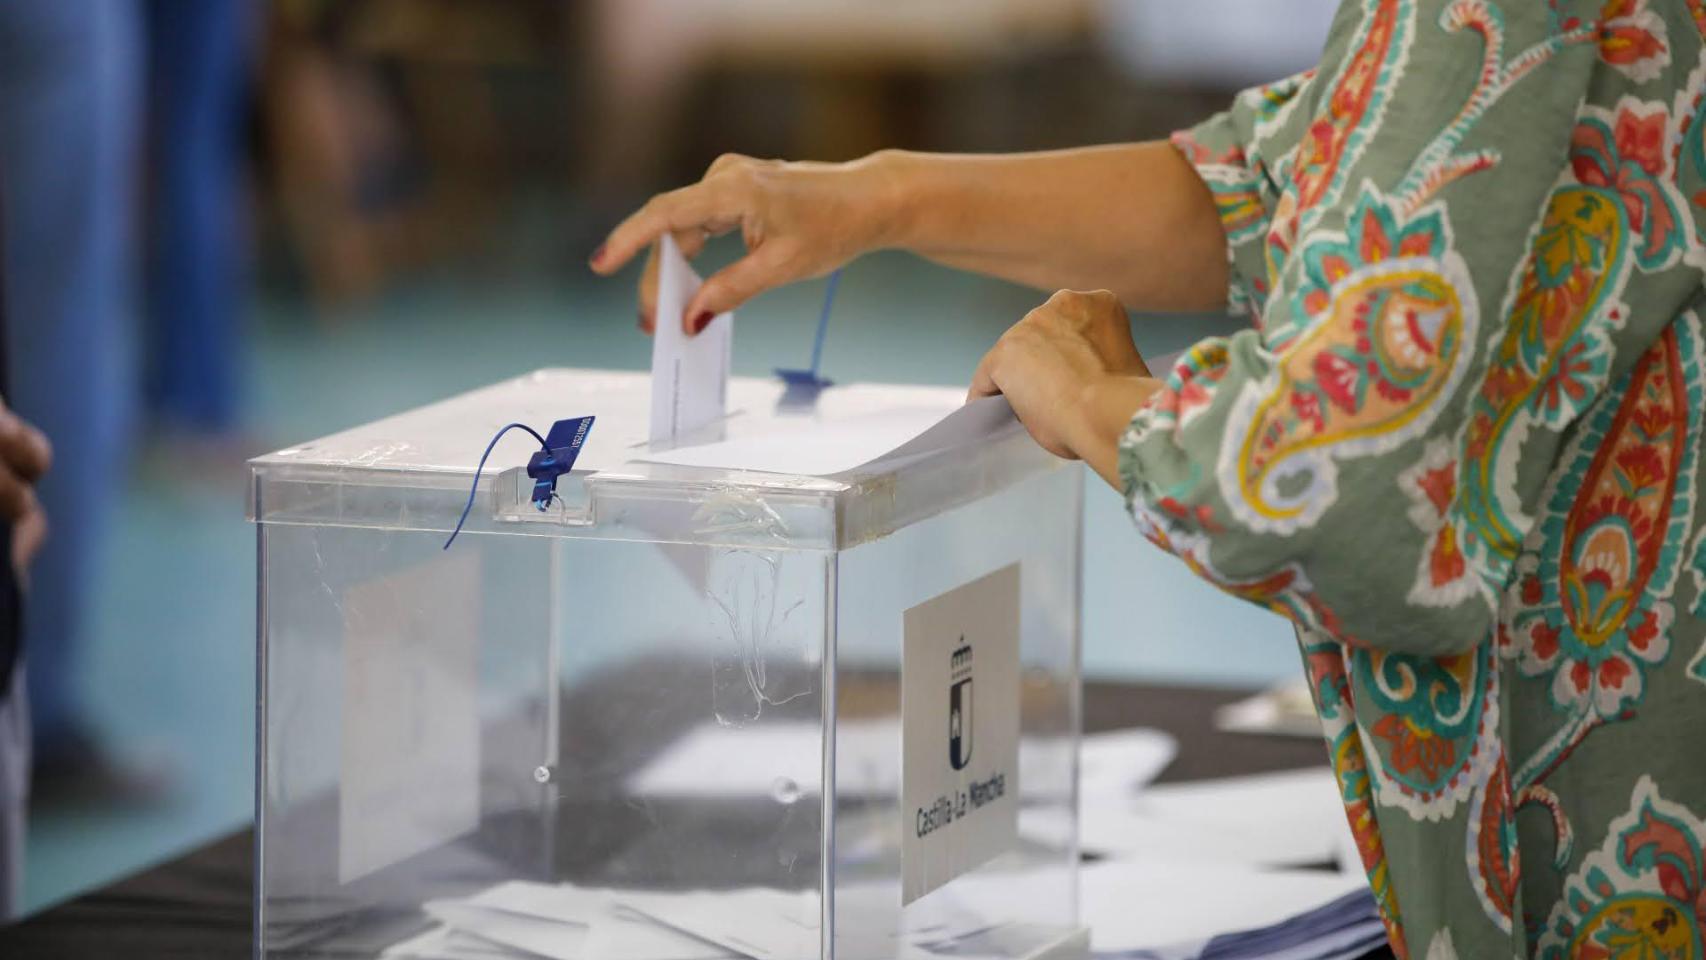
<point>1460,446</point>
<point>72,145</point>
<point>24,458</point>
<point>69,79</point>
<point>199,54</point>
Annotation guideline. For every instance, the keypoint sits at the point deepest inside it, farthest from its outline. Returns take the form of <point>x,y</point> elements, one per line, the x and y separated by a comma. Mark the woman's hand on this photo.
<point>1073,376</point>
<point>799,220</point>
<point>1134,218</point>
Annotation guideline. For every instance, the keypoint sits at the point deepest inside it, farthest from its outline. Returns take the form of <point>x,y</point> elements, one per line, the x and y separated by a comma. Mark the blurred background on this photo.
<point>233,225</point>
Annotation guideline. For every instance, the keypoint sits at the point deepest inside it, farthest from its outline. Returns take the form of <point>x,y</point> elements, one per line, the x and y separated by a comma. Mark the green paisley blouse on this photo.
<point>1460,448</point>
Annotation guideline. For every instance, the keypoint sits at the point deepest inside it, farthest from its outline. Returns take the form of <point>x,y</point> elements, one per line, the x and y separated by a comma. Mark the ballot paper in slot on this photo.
<point>509,706</point>
<point>690,374</point>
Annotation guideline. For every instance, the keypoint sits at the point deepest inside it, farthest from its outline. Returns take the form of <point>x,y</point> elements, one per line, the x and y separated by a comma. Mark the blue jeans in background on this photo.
<point>69,102</point>
<point>198,60</point>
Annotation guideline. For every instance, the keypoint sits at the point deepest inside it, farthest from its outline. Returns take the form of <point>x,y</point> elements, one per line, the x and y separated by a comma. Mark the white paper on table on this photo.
<point>1112,768</point>
<point>757,922</point>
<point>811,448</point>
<point>1123,761</point>
<point>613,931</point>
<point>933,922</point>
<point>1154,902</point>
<point>690,375</point>
<point>562,903</point>
<point>545,938</point>
<point>636,935</point>
<point>445,943</point>
<point>1285,710</point>
<point>1292,818</point>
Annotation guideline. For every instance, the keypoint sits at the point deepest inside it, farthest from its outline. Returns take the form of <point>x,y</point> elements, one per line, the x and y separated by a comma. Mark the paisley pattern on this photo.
<point>1591,608</point>
<point>1189,385</point>
<point>1443,576</point>
<point>1642,894</point>
<point>1547,362</point>
<point>1351,108</point>
<point>1492,850</point>
<point>1373,374</point>
<point>1462,453</point>
<point>1432,723</point>
<point>1690,110</point>
<point>1697,667</point>
<point>1390,303</point>
<point>1632,38</point>
<point>1625,152</point>
<point>1616,209</point>
<point>1330,688</point>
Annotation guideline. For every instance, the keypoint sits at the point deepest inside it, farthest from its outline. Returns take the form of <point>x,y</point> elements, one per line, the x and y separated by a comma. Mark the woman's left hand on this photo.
<point>1073,376</point>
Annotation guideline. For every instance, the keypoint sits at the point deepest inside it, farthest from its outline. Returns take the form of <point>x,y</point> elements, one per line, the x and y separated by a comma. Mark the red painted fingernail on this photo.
<point>644,322</point>
<point>702,321</point>
<point>597,255</point>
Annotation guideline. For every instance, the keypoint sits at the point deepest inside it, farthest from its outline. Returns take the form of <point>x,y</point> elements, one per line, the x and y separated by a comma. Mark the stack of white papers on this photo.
<point>1178,909</point>
<point>1183,865</point>
<point>1150,910</point>
<point>557,922</point>
<point>528,921</point>
<point>1289,819</point>
<point>1342,929</point>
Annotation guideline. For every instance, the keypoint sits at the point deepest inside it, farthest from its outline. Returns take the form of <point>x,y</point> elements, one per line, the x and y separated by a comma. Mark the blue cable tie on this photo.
<point>474,488</point>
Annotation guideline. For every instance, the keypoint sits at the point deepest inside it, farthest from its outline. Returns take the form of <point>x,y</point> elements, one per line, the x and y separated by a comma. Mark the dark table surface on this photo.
<point>199,905</point>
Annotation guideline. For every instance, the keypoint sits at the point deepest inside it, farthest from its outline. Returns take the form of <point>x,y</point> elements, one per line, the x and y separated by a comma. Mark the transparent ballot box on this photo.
<point>682,712</point>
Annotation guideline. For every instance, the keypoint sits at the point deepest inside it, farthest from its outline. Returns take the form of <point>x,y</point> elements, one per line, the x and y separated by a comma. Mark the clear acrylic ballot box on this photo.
<point>682,712</point>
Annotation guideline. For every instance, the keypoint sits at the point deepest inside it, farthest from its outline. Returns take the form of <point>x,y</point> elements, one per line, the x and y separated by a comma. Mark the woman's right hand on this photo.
<point>799,220</point>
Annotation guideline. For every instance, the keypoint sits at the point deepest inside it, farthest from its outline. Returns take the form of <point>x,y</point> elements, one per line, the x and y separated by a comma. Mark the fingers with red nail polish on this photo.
<point>700,322</point>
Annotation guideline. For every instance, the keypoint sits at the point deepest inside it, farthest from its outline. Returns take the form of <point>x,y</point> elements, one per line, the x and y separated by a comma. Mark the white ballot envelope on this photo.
<point>690,375</point>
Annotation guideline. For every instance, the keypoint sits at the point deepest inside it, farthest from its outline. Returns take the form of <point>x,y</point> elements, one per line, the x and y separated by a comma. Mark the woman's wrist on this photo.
<point>891,190</point>
<point>1106,406</point>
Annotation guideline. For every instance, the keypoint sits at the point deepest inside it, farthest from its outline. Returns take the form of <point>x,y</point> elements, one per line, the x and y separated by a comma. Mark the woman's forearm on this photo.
<point>1131,218</point>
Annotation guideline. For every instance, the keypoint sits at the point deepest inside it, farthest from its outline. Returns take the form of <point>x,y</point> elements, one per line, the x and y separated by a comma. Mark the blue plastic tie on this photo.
<point>823,320</point>
<point>803,386</point>
<point>474,488</point>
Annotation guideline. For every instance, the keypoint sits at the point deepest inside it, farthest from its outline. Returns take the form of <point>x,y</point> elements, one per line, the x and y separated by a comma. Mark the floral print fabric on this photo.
<point>1460,448</point>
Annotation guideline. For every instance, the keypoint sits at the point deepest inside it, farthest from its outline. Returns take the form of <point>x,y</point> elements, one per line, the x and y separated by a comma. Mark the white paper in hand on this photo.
<point>690,375</point>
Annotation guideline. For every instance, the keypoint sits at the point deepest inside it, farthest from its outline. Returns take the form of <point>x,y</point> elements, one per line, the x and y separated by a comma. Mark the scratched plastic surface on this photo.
<point>642,691</point>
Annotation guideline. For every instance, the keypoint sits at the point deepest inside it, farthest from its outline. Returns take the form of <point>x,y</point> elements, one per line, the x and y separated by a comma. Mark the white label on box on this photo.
<point>959,705</point>
<point>411,726</point>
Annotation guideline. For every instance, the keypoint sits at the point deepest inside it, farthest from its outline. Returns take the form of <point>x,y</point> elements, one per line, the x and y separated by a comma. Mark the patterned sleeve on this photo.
<point>1231,152</point>
<point>1351,462</point>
